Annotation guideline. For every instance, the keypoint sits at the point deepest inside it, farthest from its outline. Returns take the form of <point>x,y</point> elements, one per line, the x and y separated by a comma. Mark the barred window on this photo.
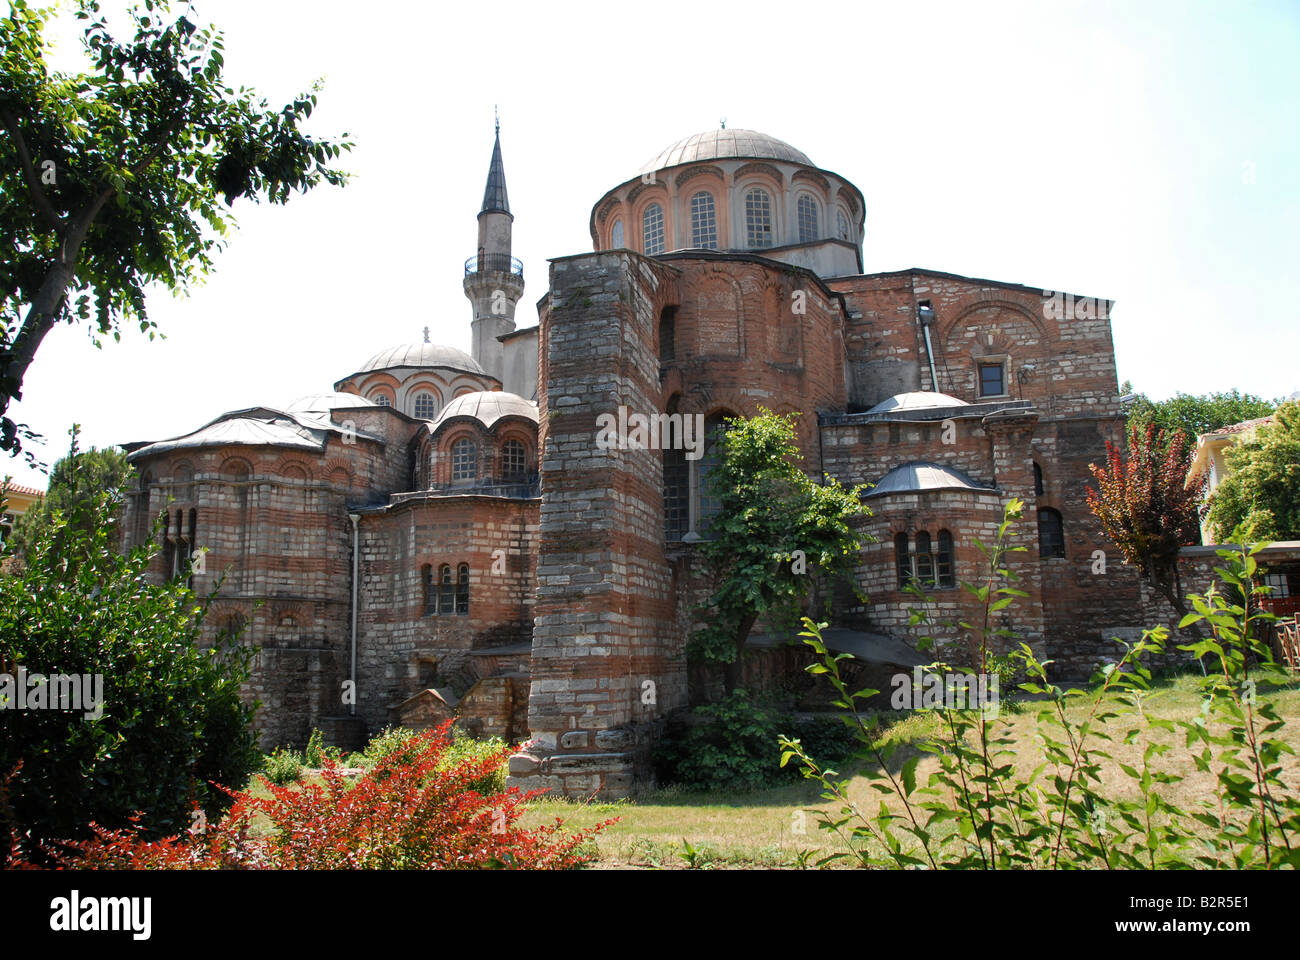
<point>426,407</point>
<point>464,460</point>
<point>943,561</point>
<point>902,560</point>
<point>1051,533</point>
<point>807,218</point>
<point>462,590</point>
<point>704,222</point>
<point>843,223</point>
<point>652,230</point>
<point>677,495</point>
<point>924,560</point>
<point>446,590</point>
<point>616,235</point>
<point>382,399</point>
<point>758,219</point>
<point>514,461</point>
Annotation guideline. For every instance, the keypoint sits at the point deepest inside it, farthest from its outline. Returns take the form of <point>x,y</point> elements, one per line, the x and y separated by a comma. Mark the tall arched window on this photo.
<point>462,590</point>
<point>704,222</point>
<point>807,208</point>
<point>446,590</point>
<point>426,407</point>
<point>758,219</point>
<point>464,459</point>
<point>842,222</point>
<point>652,230</point>
<point>1038,480</point>
<point>616,235</point>
<point>902,560</point>
<point>514,461</point>
<point>714,429</point>
<point>1051,533</point>
<point>943,561</point>
<point>430,604</point>
<point>924,560</point>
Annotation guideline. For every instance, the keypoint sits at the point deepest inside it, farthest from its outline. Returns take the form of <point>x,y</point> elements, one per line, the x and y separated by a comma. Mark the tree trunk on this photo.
<point>731,671</point>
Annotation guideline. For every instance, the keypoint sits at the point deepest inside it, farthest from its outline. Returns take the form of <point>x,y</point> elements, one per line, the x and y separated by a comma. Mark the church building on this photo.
<point>441,534</point>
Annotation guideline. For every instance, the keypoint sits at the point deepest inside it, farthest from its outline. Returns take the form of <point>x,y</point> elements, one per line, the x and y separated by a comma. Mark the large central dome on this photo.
<point>726,144</point>
<point>422,355</point>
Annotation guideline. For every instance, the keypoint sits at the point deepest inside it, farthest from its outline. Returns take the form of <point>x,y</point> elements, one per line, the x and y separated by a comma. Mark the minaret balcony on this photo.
<point>494,263</point>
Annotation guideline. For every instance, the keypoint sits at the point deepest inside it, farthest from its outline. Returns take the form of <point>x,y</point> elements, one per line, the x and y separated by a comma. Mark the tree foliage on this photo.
<point>1196,414</point>
<point>1260,497</point>
<point>171,720</point>
<point>777,531</point>
<point>1146,506</point>
<point>75,481</point>
<point>112,180</point>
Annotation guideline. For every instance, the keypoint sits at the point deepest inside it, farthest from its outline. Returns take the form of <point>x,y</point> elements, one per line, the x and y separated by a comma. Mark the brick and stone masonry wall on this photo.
<point>606,661</point>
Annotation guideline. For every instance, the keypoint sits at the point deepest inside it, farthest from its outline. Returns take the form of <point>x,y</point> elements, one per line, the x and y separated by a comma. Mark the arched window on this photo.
<point>514,461</point>
<point>1051,533</point>
<point>807,208</point>
<point>426,407</point>
<point>924,560</point>
<point>842,222</point>
<point>943,561</point>
<point>704,222</point>
<point>381,399</point>
<point>758,219</point>
<point>902,560</point>
<point>464,459</point>
<point>446,590</point>
<point>616,235</point>
<point>430,597</point>
<point>652,230</point>
<point>1038,480</point>
<point>714,429</point>
<point>462,590</point>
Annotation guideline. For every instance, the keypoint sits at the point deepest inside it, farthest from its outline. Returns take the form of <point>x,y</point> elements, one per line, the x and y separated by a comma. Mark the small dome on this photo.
<point>423,355</point>
<point>487,407</point>
<point>325,402</point>
<point>919,477</point>
<point>725,145</point>
<point>920,400</point>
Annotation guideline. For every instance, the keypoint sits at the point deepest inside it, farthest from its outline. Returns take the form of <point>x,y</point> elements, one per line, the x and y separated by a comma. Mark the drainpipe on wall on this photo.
<point>926,313</point>
<point>356,557</point>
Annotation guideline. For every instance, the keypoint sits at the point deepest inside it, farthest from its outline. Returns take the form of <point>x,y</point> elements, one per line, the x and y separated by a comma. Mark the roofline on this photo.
<point>404,366</point>
<point>910,271</point>
<point>520,332</point>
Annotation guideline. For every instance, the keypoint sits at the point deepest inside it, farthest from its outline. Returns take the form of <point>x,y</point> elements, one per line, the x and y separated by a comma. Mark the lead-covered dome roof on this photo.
<point>487,407</point>
<point>725,145</point>
<point>423,355</point>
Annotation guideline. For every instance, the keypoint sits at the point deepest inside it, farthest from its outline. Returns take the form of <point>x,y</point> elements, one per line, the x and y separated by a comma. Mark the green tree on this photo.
<point>169,719</point>
<point>76,479</point>
<point>777,531</point>
<point>1195,415</point>
<point>1147,508</point>
<point>1259,500</point>
<point>112,180</point>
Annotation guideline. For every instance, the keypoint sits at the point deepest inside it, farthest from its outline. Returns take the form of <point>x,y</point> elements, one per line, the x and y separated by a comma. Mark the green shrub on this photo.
<point>317,753</point>
<point>726,746</point>
<point>399,742</point>
<point>172,720</point>
<point>283,767</point>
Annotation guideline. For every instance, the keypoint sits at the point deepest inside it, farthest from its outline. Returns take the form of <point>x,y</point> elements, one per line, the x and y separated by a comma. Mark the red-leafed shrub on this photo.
<point>404,813</point>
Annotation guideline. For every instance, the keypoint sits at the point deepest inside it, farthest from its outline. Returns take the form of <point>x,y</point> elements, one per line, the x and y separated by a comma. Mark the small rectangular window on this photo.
<point>992,381</point>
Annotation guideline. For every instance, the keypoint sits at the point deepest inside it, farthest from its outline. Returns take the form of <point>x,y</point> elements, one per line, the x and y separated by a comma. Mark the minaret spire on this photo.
<point>494,280</point>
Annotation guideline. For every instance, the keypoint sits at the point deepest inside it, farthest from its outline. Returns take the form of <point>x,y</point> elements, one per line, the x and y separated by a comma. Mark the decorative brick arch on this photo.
<point>688,175</point>
<point>964,307</point>
<point>761,169</point>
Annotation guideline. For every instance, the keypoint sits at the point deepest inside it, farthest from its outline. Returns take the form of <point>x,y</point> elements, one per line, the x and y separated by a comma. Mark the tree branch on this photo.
<point>44,209</point>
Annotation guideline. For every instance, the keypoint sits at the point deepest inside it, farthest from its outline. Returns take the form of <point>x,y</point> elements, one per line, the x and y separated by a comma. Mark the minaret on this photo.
<point>494,280</point>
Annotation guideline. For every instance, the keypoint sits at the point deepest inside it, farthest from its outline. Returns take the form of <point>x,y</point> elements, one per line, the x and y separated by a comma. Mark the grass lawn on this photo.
<point>759,829</point>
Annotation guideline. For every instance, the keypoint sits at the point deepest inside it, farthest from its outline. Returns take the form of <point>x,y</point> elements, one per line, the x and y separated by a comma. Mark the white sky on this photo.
<point>1145,152</point>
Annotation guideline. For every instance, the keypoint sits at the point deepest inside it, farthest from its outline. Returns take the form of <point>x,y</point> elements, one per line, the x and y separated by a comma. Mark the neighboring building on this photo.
<point>1210,459</point>
<point>17,501</point>
<point>513,571</point>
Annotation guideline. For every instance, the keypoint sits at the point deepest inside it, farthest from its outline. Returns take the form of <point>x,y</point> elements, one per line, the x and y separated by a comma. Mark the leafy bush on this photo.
<point>412,810</point>
<point>317,753</point>
<point>172,720</point>
<point>1058,815</point>
<point>464,747</point>
<point>282,767</point>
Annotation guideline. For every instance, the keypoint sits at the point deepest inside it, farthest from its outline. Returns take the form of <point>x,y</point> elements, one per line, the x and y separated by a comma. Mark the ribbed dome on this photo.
<point>423,355</point>
<point>487,407</point>
<point>726,144</point>
<point>919,400</point>
<point>324,402</point>
<point>919,477</point>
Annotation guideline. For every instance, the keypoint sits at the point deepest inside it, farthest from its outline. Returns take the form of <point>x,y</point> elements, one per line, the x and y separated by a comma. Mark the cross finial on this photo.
<point>496,117</point>
<point>426,334</point>
<point>723,121</point>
